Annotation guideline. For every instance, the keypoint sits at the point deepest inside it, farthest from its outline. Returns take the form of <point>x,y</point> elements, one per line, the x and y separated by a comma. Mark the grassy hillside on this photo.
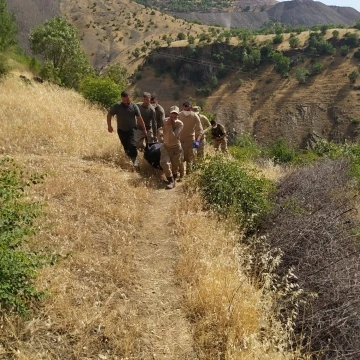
<point>113,291</point>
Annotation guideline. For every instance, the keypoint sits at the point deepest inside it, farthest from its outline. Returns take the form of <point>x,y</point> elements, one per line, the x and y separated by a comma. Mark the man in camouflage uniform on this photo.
<point>190,137</point>
<point>205,123</point>
<point>171,151</point>
<point>149,116</point>
<point>218,134</point>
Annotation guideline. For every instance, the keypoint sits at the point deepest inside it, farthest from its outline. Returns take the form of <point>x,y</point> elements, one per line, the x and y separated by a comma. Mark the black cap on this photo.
<point>187,103</point>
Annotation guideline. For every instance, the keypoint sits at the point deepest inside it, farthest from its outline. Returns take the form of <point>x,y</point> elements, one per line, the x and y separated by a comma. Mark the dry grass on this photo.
<point>233,318</point>
<point>89,224</point>
<point>101,301</point>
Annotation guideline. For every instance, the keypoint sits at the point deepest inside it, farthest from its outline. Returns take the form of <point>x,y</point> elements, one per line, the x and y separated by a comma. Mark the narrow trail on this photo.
<point>157,295</point>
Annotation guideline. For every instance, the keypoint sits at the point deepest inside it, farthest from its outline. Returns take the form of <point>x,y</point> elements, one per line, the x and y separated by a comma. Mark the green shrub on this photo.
<point>278,39</point>
<point>301,75</point>
<point>353,76</point>
<point>281,151</point>
<point>294,42</point>
<point>317,68</point>
<point>4,67</point>
<point>245,148</point>
<point>17,222</point>
<point>357,54</point>
<point>344,50</point>
<point>282,63</point>
<point>103,91</point>
<point>229,188</point>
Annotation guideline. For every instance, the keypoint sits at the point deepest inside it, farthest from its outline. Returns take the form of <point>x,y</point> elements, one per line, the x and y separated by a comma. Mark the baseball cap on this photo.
<point>174,109</point>
<point>196,109</point>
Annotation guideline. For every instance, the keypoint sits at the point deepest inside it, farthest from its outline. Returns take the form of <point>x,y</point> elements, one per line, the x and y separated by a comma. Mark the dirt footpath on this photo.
<point>157,296</point>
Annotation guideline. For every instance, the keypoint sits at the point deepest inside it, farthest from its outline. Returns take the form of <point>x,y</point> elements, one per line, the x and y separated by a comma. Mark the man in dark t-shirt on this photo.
<point>128,119</point>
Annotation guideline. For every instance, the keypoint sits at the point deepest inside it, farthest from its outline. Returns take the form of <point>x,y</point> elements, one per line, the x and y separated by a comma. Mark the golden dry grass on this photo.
<point>113,292</point>
<point>232,317</point>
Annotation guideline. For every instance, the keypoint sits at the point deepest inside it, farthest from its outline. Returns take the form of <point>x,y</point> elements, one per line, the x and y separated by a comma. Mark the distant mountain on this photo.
<point>296,12</point>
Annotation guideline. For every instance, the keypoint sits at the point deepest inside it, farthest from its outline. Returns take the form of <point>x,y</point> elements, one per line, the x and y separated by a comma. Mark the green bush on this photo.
<point>344,50</point>
<point>4,67</point>
<point>17,222</point>
<point>245,148</point>
<point>230,189</point>
<point>317,68</point>
<point>102,91</point>
<point>282,63</point>
<point>281,151</point>
<point>301,75</point>
<point>278,39</point>
<point>353,76</point>
<point>357,54</point>
<point>294,42</point>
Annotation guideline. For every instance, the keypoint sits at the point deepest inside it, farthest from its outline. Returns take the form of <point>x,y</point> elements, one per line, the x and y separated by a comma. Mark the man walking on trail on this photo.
<point>218,134</point>
<point>190,137</point>
<point>128,119</point>
<point>205,123</point>
<point>160,114</point>
<point>149,116</point>
<point>171,151</point>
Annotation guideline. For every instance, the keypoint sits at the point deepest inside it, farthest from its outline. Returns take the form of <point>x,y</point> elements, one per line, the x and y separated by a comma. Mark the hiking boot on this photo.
<point>135,164</point>
<point>171,183</point>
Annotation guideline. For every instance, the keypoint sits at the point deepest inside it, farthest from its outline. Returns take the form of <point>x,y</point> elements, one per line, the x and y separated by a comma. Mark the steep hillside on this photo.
<point>262,102</point>
<point>296,12</point>
<point>30,13</point>
<point>110,31</point>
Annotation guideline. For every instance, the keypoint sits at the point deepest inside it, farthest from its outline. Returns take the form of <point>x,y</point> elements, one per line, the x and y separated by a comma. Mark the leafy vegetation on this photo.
<point>17,222</point>
<point>8,28</point>
<point>228,187</point>
<point>58,44</point>
<point>102,91</point>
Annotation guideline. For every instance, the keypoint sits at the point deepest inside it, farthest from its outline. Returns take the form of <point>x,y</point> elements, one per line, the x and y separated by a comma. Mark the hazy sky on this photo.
<point>352,3</point>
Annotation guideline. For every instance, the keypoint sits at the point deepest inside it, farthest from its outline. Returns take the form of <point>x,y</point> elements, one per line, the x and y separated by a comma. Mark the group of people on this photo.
<point>182,134</point>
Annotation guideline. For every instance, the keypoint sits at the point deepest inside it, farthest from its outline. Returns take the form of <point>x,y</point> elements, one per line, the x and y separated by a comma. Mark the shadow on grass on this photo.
<point>147,175</point>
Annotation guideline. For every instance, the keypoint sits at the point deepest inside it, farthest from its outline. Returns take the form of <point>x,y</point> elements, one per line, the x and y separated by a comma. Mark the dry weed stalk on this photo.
<point>315,226</point>
<point>232,318</point>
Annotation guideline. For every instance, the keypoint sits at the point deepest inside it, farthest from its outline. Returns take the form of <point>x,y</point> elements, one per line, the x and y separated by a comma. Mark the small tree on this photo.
<point>335,34</point>
<point>301,75</point>
<point>353,76</point>
<point>118,74</point>
<point>318,68</point>
<point>344,50</point>
<point>136,53</point>
<point>278,39</point>
<point>8,28</point>
<point>181,36</point>
<point>57,42</point>
<point>103,91</point>
<point>282,63</point>
<point>357,54</point>
<point>294,42</point>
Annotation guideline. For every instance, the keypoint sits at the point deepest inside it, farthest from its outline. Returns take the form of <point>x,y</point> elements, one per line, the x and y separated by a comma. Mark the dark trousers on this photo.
<point>127,139</point>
